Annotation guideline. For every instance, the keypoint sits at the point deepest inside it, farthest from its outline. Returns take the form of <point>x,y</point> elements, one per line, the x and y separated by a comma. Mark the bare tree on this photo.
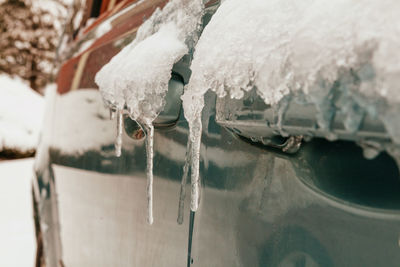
<point>30,35</point>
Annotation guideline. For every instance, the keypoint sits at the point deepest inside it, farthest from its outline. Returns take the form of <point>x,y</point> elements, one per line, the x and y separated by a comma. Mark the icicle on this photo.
<point>112,113</point>
<point>195,139</point>
<point>182,193</point>
<point>149,154</point>
<point>118,141</point>
<point>279,114</point>
<point>193,104</point>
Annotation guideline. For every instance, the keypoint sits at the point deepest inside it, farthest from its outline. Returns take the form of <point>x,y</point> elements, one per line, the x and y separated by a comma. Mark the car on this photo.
<point>269,195</point>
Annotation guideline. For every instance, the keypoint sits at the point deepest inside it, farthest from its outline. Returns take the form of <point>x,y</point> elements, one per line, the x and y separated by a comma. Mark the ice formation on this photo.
<point>118,141</point>
<point>304,49</point>
<point>137,78</point>
<point>149,189</point>
<point>289,46</point>
<point>182,193</point>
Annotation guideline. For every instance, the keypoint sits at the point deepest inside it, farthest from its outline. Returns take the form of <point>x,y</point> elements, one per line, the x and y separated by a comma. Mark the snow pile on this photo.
<point>137,77</point>
<point>21,112</point>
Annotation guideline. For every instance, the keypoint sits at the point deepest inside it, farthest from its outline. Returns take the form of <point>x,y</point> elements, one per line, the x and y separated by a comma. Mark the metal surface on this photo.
<point>258,207</point>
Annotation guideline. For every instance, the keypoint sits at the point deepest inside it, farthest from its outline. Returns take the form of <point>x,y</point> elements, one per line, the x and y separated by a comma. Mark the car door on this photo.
<point>267,198</point>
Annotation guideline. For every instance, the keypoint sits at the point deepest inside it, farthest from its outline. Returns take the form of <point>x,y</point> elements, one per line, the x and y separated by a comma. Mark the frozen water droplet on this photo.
<point>370,152</point>
<point>149,169</point>
<point>182,194</point>
<point>371,149</point>
<point>195,139</point>
<point>118,141</point>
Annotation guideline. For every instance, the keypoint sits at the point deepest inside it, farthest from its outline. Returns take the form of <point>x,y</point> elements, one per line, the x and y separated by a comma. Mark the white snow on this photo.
<point>285,46</point>
<point>290,45</point>
<point>142,74</point>
<point>21,112</point>
<point>138,76</point>
<point>17,242</point>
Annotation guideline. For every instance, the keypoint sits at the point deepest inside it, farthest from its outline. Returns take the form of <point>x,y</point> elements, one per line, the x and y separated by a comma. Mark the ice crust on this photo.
<point>290,46</point>
<point>307,50</point>
<point>137,78</point>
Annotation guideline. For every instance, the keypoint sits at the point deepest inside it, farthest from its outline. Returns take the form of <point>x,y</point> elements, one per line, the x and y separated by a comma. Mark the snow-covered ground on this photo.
<point>21,112</point>
<point>17,236</point>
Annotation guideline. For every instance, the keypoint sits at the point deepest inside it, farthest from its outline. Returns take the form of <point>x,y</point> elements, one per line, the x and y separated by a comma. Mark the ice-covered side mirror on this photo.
<point>168,117</point>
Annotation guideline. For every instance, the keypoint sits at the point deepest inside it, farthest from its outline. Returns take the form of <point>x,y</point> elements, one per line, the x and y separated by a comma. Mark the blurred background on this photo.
<point>33,37</point>
<point>34,34</point>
